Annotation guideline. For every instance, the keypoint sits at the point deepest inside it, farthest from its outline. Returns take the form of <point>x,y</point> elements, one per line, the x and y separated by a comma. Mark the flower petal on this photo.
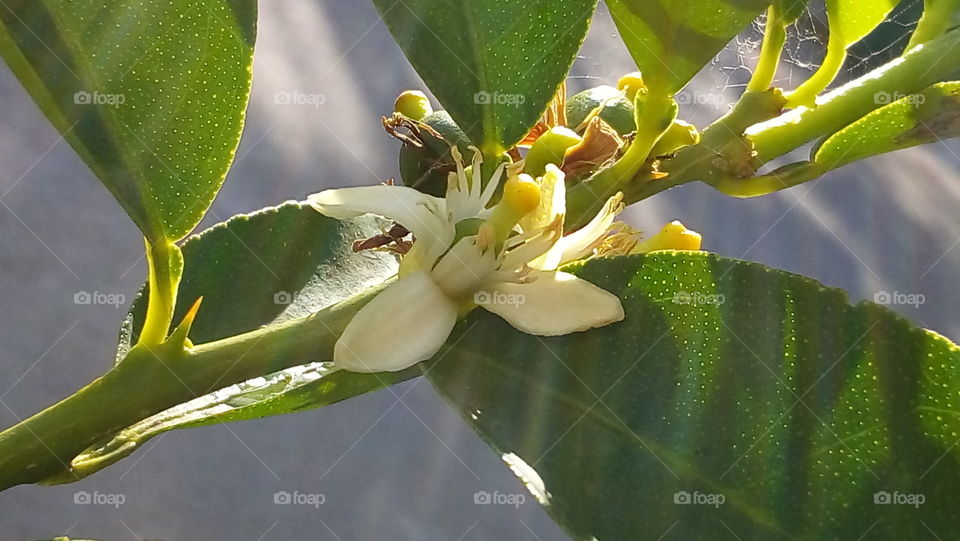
<point>555,303</point>
<point>464,267</point>
<point>414,299</point>
<point>422,214</point>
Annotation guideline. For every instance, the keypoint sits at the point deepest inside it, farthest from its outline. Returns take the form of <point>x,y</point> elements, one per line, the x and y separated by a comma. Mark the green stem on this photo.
<point>806,94</point>
<point>919,68</point>
<point>938,16</point>
<point>153,379</point>
<point>165,267</point>
<point>774,36</point>
<point>780,179</point>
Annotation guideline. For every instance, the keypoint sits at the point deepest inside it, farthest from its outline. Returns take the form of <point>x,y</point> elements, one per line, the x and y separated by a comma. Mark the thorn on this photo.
<point>179,335</point>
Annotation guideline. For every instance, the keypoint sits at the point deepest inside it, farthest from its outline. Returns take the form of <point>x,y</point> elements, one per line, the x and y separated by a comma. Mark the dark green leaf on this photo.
<point>727,379</point>
<point>671,40</point>
<point>151,95</point>
<point>493,64</point>
<point>917,119</point>
<point>791,10</point>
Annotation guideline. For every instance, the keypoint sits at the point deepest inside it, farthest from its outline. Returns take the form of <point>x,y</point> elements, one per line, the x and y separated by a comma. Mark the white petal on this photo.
<point>462,269</point>
<point>555,303</point>
<point>406,323</point>
<point>424,215</point>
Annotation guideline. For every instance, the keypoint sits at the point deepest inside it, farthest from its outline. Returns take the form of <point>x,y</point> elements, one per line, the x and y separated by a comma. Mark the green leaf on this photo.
<point>917,119</point>
<point>151,95</point>
<point>255,270</point>
<point>791,10</point>
<point>286,391</point>
<point>671,40</point>
<point>493,64</point>
<point>851,20</point>
<point>727,379</point>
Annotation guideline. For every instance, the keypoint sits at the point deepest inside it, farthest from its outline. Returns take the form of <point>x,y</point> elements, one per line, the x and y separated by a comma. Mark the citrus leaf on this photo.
<point>493,64</point>
<point>916,119</point>
<point>671,40</point>
<point>733,399</point>
<point>851,20</point>
<point>151,95</point>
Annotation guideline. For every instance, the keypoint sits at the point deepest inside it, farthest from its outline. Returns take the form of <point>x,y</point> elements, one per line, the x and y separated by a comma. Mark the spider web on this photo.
<point>710,94</point>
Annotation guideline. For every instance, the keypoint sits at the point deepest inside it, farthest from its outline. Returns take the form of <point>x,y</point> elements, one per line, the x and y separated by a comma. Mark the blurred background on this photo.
<point>388,469</point>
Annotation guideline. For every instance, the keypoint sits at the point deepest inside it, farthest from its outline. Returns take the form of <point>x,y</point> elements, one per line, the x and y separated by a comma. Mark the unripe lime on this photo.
<point>549,148</point>
<point>413,104</point>
<point>423,172</point>
<point>617,109</point>
<point>449,131</point>
<point>631,83</point>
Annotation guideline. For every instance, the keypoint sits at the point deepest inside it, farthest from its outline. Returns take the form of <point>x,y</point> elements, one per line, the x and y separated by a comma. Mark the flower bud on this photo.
<point>631,83</point>
<point>413,104</point>
<point>677,136</point>
<point>549,148</point>
<point>673,236</point>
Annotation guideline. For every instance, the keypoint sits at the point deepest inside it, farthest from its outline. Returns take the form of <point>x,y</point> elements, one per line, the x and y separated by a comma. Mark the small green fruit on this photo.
<point>449,131</point>
<point>617,109</point>
<point>413,104</point>
<point>549,148</point>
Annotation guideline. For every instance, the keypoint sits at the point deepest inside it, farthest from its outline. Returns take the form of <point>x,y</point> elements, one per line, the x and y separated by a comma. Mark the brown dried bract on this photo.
<point>600,143</point>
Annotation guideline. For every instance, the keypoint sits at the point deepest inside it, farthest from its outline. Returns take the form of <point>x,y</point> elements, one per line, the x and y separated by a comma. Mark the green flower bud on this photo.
<point>631,83</point>
<point>677,136</point>
<point>549,148</point>
<point>413,104</point>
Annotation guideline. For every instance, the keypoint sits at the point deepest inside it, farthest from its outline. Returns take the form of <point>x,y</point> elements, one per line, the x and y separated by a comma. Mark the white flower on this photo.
<point>503,258</point>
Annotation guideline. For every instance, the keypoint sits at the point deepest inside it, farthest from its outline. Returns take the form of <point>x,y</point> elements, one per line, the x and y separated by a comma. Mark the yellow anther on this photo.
<point>673,236</point>
<point>486,237</point>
